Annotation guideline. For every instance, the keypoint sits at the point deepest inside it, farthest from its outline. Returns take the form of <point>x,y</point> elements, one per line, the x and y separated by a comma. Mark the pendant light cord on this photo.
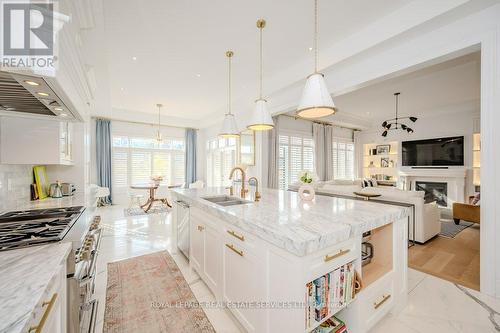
<point>315,36</point>
<point>229,55</point>
<point>261,70</point>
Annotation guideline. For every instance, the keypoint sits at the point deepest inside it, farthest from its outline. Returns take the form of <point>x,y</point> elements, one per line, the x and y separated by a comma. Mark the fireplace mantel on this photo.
<point>454,177</point>
<point>451,172</point>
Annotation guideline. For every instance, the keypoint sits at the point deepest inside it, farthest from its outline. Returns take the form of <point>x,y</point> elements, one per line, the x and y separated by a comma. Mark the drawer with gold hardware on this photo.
<point>47,306</point>
<point>326,261</point>
<point>235,250</point>
<point>238,236</point>
<point>377,300</point>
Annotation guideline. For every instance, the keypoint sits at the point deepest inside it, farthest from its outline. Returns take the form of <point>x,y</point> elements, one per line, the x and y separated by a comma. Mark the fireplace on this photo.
<point>434,191</point>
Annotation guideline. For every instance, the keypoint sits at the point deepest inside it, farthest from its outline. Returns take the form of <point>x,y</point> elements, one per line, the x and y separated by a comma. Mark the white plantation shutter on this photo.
<point>296,153</point>
<point>222,156</point>
<point>140,167</point>
<point>343,159</point>
<point>120,168</point>
<point>136,160</point>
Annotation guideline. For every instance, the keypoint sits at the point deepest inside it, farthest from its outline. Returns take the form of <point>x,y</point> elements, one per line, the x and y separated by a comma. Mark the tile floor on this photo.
<point>434,305</point>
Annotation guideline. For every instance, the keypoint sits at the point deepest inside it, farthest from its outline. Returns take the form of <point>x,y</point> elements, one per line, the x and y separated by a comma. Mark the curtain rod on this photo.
<point>321,122</point>
<point>142,122</point>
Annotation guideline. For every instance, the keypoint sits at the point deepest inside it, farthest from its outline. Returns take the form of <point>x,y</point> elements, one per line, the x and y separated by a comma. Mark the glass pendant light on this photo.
<point>316,101</point>
<point>158,133</point>
<point>261,118</point>
<point>229,126</point>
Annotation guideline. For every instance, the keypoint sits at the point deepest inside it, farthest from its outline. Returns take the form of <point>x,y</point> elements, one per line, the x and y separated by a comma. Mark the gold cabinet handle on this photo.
<point>384,299</point>
<point>38,328</point>
<point>201,228</point>
<point>240,237</point>
<point>238,252</point>
<point>341,253</point>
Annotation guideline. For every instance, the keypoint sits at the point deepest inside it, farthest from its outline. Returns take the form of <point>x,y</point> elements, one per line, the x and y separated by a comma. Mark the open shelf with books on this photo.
<point>328,294</point>
<point>380,161</point>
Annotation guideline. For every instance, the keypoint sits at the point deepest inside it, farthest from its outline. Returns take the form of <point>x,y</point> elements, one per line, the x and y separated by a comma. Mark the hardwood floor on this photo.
<point>453,259</point>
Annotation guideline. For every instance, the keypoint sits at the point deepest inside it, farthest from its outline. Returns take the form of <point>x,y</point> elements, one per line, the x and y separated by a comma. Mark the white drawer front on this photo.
<point>327,261</point>
<point>377,301</point>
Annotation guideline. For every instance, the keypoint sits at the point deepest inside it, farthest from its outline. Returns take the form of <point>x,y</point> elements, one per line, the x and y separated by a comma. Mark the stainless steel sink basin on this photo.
<point>226,200</point>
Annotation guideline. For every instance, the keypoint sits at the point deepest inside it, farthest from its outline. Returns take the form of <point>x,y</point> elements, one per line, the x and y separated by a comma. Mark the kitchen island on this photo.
<point>283,264</point>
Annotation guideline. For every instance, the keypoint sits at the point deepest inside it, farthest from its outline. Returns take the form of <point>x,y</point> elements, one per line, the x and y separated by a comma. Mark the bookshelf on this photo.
<point>380,166</point>
<point>476,159</point>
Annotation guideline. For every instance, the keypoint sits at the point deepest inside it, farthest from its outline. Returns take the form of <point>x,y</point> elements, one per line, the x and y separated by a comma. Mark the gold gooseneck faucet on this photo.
<point>257,194</point>
<point>243,178</point>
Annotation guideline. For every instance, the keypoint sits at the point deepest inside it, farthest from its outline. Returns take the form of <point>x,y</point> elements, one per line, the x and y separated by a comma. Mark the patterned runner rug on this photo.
<point>149,294</point>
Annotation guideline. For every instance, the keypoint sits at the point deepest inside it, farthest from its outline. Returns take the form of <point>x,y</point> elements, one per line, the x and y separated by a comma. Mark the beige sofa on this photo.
<point>427,216</point>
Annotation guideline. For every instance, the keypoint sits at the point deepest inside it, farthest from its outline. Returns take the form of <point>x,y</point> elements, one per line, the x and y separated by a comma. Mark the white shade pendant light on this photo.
<point>316,101</point>
<point>261,118</point>
<point>158,133</point>
<point>229,126</point>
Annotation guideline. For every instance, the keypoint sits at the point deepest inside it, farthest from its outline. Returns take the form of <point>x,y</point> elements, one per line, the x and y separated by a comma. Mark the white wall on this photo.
<point>444,125</point>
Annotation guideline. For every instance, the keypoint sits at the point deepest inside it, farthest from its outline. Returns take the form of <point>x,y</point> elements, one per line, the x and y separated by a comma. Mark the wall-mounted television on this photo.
<point>434,152</point>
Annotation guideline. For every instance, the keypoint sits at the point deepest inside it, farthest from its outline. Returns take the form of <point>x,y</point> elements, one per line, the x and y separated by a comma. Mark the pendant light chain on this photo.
<point>315,36</point>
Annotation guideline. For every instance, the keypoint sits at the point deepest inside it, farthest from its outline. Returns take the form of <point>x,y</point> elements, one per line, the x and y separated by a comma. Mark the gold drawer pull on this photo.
<point>38,328</point>
<point>341,253</point>
<point>384,299</point>
<point>201,228</point>
<point>238,252</point>
<point>240,237</point>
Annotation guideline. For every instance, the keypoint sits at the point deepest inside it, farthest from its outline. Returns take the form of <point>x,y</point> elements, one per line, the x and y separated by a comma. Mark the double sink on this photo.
<point>226,200</point>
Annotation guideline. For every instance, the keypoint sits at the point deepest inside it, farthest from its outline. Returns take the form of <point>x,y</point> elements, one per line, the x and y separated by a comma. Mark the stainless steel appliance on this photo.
<point>68,189</point>
<point>55,190</point>
<point>182,218</point>
<point>70,224</point>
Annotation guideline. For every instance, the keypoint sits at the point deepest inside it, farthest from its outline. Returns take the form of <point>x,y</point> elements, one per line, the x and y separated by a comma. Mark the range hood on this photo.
<point>29,95</point>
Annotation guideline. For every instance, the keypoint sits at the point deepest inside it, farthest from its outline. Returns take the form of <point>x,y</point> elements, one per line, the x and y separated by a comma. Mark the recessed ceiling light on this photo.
<point>42,94</point>
<point>63,114</point>
<point>134,58</point>
<point>58,109</point>
<point>31,83</point>
<point>198,75</point>
<point>310,49</point>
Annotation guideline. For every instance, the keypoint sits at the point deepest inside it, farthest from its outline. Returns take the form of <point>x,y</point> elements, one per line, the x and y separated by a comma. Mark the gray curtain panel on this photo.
<point>103,155</point>
<point>191,138</point>
<point>323,137</point>
<point>272,175</point>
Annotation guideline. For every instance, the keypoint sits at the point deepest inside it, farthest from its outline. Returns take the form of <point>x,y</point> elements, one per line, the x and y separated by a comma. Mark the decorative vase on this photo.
<point>306,192</point>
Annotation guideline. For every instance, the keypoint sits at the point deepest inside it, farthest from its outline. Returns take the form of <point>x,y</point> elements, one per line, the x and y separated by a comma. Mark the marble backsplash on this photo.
<point>15,183</point>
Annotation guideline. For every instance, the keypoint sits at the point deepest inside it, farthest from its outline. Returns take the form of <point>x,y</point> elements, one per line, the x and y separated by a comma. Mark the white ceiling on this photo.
<point>448,87</point>
<point>180,46</point>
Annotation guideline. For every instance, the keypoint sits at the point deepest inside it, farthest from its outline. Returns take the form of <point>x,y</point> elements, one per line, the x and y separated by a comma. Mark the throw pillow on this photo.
<point>476,199</point>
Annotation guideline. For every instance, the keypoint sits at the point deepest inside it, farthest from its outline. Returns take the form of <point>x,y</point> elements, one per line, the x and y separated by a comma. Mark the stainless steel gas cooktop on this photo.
<point>32,227</point>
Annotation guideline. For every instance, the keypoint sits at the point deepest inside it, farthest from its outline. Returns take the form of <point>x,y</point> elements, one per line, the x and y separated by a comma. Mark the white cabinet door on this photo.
<point>196,255</point>
<point>212,267</point>
<point>244,281</point>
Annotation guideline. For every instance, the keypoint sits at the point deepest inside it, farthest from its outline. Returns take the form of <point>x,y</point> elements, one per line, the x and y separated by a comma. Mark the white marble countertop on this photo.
<point>24,276</point>
<point>78,199</point>
<point>297,226</point>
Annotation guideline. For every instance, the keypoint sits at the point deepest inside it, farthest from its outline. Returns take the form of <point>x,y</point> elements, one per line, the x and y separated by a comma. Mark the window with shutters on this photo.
<point>222,156</point>
<point>343,159</point>
<point>136,160</point>
<point>296,154</point>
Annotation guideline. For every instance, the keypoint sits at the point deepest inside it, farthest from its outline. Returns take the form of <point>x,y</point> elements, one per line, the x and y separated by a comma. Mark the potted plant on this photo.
<point>306,190</point>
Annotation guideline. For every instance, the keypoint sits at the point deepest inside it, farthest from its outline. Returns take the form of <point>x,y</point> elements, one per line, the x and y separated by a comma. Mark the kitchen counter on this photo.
<point>78,199</point>
<point>300,227</point>
<point>25,275</point>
